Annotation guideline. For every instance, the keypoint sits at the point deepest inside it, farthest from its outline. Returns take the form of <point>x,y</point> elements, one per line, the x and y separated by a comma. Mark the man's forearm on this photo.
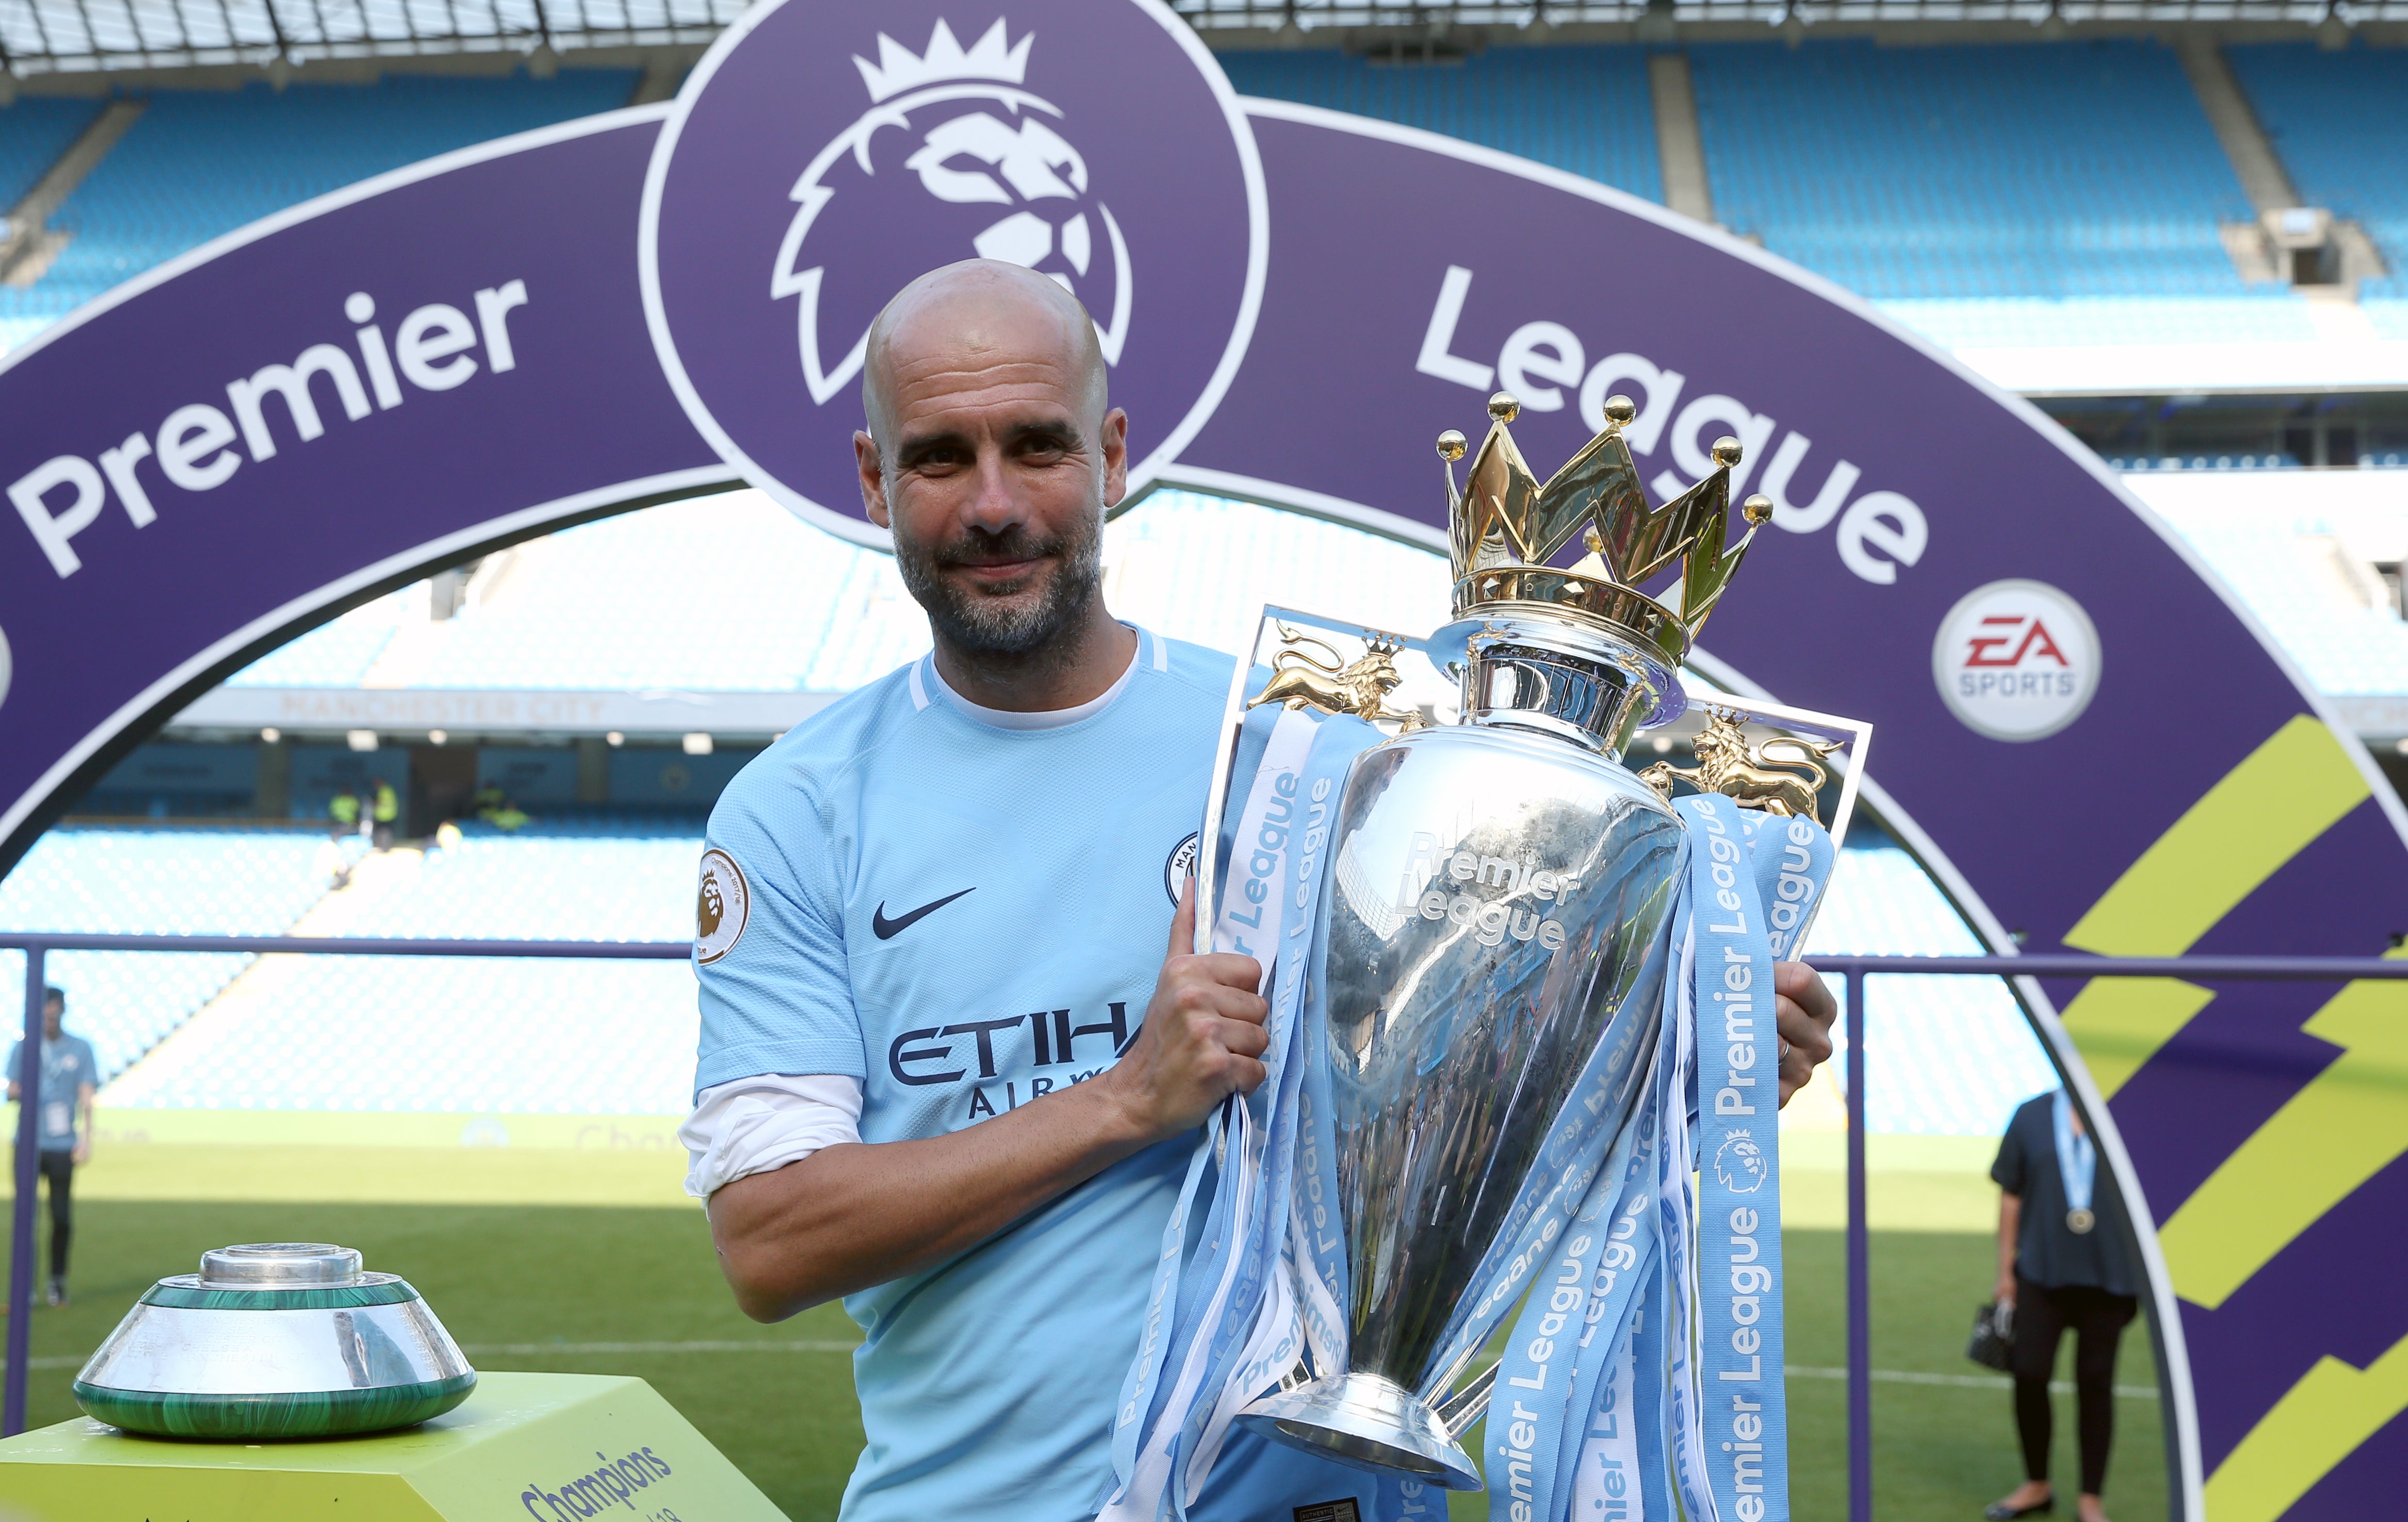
<point>857,1214</point>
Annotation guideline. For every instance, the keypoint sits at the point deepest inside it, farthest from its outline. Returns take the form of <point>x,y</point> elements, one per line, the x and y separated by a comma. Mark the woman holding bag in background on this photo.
<point>2063,1264</point>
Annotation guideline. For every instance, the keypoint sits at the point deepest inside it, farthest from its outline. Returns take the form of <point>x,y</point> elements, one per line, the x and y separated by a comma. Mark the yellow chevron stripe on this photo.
<point>2349,1122</point>
<point>2319,1422</point>
<point>2264,811</point>
<point>2119,1023</point>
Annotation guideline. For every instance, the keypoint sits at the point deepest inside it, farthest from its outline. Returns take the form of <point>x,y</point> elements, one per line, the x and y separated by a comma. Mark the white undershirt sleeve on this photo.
<point>755,1124</point>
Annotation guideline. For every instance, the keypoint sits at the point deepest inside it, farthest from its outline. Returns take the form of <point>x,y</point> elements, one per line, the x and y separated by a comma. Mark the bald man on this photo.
<point>948,1071</point>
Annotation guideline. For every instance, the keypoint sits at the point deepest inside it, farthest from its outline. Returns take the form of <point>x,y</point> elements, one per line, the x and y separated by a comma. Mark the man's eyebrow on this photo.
<point>1064,429</point>
<point>914,446</point>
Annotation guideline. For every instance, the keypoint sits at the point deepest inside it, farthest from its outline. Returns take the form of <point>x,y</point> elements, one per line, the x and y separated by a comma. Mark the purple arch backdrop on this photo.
<point>2080,733</point>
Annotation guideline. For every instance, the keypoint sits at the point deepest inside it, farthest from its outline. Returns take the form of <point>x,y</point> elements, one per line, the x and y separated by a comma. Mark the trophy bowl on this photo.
<point>275,1340</point>
<point>1495,931</point>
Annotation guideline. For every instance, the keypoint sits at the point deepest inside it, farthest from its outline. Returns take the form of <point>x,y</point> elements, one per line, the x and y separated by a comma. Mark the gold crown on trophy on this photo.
<point>1504,527</point>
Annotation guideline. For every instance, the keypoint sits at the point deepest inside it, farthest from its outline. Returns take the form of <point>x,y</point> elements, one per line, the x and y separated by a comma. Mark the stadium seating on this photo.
<point>2041,194</point>
<point>153,882</point>
<point>34,133</point>
<point>1199,569</point>
<point>655,601</point>
<point>2205,462</point>
<point>453,1035</point>
<point>1585,109</point>
<point>1991,197</point>
<point>728,593</point>
<point>202,163</point>
<point>2343,650</point>
<point>587,1038</point>
<point>336,654</point>
<point>2336,119</point>
<point>1946,1057</point>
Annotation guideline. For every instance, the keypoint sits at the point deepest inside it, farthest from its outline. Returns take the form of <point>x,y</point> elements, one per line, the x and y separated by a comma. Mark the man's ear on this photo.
<point>873,478</point>
<point>1115,441</point>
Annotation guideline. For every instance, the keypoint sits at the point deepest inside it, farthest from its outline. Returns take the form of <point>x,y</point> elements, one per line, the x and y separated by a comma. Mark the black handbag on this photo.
<point>1993,1343</point>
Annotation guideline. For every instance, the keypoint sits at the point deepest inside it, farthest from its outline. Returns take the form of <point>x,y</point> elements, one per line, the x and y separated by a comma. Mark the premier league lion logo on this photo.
<point>955,149</point>
<point>1739,1164</point>
<point>1094,141</point>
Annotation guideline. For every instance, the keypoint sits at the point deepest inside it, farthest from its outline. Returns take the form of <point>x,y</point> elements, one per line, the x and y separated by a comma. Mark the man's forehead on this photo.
<point>967,378</point>
<point>998,407</point>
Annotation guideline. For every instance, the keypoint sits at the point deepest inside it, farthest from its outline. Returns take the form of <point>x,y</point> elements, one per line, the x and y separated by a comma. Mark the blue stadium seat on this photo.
<point>336,654</point>
<point>1946,1057</point>
<point>464,1035</point>
<point>2255,549</point>
<point>2033,195</point>
<point>1582,109</point>
<point>34,133</point>
<point>618,1038</point>
<point>2337,121</point>
<point>201,163</point>
<point>173,881</point>
<point>655,600</point>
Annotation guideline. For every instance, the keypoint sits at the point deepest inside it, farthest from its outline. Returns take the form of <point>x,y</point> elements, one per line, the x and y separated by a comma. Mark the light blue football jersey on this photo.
<point>967,917</point>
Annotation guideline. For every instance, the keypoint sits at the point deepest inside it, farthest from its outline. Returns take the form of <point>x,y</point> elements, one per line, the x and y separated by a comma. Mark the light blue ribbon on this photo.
<point>2077,1158</point>
<point>1618,1424</point>
<point>1647,1361</point>
<point>1225,1323</point>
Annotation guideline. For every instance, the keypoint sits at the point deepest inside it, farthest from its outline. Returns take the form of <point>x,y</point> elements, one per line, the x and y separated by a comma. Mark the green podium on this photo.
<point>550,1447</point>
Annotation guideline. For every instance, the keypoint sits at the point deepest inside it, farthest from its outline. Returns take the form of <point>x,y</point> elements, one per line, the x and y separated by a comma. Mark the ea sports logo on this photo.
<point>822,155</point>
<point>2016,660</point>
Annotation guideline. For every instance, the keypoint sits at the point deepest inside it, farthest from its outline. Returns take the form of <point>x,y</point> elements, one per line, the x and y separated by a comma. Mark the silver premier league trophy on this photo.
<point>1493,912</point>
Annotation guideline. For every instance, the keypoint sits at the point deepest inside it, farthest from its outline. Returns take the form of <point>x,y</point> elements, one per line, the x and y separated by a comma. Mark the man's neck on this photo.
<point>1077,668</point>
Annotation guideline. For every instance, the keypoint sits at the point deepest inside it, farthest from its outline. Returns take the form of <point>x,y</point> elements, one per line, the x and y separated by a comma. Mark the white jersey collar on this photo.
<point>995,718</point>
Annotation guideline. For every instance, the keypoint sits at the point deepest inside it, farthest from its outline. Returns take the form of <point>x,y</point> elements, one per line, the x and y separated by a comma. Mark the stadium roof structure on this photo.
<point>67,37</point>
<point>82,35</point>
<point>1208,16</point>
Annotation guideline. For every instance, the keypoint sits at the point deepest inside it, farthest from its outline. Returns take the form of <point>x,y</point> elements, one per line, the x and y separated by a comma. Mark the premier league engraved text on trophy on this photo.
<point>1493,934</point>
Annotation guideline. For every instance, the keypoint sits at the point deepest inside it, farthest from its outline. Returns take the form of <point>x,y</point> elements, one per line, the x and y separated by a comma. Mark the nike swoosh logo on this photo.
<point>886,929</point>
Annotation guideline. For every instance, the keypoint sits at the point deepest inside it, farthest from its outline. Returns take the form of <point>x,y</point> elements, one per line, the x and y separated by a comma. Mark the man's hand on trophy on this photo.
<point>1803,1008</point>
<point>1203,1036</point>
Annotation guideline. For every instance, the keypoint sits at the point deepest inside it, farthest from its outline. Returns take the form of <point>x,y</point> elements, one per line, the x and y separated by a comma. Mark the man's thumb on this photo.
<point>1182,922</point>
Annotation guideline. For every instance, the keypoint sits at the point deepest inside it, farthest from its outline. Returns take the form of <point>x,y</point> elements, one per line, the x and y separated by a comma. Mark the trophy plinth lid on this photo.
<point>280,1265</point>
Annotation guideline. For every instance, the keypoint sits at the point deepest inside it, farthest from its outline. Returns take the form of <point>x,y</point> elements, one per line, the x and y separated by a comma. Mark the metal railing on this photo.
<point>28,1076</point>
<point>1853,970</point>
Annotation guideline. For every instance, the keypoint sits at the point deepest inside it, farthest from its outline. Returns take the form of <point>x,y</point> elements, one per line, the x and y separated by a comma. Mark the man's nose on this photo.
<point>993,506</point>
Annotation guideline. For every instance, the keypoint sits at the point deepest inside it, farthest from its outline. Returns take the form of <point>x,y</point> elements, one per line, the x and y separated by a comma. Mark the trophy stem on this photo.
<point>1366,1421</point>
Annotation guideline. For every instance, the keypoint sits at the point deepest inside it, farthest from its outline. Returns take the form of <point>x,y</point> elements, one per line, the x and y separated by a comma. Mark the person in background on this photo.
<point>385,809</point>
<point>70,1078</point>
<point>343,813</point>
<point>2063,1262</point>
<point>494,808</point>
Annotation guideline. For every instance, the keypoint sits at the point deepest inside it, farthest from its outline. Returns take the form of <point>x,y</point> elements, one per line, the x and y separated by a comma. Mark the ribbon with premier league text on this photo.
<point>1240,1295</point>
<point>1645,1363</point>
<point>1647,1356</point>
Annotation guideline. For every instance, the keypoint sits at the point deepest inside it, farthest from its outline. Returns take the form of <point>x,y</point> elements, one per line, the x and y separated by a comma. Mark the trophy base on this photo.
<point>1368,1422</point>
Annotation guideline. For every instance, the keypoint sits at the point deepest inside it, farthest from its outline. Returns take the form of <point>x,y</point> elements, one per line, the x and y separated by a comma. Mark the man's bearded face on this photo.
<point>1019,616</point>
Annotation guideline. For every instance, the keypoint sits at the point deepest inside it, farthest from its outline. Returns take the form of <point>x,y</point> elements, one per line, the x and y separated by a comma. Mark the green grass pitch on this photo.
<point>517,1285</point>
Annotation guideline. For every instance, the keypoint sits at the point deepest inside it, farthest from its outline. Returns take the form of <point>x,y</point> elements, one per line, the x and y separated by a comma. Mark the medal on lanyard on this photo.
<point>2077,1164</point>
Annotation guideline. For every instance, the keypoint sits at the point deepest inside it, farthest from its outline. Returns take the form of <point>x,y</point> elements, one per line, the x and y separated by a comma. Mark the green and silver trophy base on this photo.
<point>555,1447</point>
